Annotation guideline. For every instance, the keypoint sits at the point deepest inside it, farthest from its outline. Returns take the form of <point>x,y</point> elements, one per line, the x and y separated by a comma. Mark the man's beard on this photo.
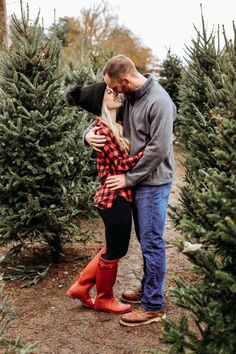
<point>131,97</point>
<point>129,94</point>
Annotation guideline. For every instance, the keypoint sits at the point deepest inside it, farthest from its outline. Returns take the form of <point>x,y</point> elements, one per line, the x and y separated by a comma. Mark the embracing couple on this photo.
<point>132,136</point>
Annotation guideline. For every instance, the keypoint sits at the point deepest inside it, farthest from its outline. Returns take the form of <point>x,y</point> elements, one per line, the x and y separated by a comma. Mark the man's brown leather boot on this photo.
<point>140,317</point>
<point>132,296</point>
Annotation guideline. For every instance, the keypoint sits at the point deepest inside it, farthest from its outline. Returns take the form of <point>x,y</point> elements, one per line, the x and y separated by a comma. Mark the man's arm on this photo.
<point>161,129</point>
<point>89,137</point>
<point>91,126</point>
<point>97,142</point>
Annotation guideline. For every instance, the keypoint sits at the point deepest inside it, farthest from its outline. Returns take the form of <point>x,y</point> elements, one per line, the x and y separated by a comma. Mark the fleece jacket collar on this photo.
<point>145,87</point>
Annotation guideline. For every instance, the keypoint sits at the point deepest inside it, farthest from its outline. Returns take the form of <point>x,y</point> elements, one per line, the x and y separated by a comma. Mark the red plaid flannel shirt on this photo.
<point>112,160</point>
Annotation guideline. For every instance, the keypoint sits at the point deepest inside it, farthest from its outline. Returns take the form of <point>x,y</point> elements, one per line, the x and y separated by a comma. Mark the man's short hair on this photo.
<point>118,66</point>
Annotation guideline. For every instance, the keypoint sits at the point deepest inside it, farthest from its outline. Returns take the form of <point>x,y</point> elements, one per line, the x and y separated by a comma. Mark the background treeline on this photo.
<point>95,35</point>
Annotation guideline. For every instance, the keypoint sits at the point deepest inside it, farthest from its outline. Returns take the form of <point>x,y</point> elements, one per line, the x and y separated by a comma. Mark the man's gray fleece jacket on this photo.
<point>148,124</point>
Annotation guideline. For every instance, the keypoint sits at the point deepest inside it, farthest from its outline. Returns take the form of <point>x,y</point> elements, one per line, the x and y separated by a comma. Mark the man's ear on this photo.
<point>125,81</point>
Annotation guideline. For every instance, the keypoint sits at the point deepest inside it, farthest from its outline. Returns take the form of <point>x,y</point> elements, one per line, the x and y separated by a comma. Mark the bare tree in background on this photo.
<point>3,23</point>
<point>96,35</point>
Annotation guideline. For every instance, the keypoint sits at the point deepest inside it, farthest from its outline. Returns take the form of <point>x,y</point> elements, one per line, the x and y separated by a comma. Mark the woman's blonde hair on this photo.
<point>116,128</point>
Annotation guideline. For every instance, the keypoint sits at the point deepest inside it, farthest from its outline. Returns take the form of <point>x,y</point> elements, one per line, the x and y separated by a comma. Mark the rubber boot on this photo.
<point>105,280</point>
<point>86,280</point>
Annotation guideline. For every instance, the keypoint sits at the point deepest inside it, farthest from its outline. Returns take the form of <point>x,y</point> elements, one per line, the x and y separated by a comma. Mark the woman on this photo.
<point>113,206</point>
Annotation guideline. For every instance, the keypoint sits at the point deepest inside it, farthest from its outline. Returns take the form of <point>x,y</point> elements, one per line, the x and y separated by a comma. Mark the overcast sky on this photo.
<point>160,24</point>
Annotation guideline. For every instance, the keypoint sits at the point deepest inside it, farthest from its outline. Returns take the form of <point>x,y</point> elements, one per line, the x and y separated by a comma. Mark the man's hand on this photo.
<point>116,182</point>
<point>95,141</point>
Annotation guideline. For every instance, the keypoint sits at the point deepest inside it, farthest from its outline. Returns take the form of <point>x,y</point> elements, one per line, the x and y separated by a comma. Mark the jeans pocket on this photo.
<point>165,191</point>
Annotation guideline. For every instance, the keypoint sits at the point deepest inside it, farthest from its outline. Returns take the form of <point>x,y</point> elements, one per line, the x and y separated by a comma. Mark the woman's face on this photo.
<point>110,100</point>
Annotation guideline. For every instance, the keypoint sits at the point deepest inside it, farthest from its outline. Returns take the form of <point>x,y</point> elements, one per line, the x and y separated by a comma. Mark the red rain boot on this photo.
<point>105,280</point>
<point>86,280</point>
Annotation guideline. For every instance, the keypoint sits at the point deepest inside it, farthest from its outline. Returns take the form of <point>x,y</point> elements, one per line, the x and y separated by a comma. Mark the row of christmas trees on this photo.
<point>206,215</point>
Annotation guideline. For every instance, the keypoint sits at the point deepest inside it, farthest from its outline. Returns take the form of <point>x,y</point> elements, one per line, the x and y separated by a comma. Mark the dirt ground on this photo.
<point>61,325</point>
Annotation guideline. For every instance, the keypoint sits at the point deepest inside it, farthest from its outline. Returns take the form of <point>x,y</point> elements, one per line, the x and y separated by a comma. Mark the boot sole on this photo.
<point>77,298</point>
<point>156,319</point>
<point>110,311</point>
<point>130,301</point>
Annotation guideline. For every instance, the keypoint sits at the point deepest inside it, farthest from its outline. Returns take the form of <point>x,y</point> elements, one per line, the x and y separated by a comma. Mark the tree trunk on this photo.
<point>3,24</point>
<point>56,248</point>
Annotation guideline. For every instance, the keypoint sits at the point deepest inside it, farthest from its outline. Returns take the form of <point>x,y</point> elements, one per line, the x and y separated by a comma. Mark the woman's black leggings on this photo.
<point>118,221</point>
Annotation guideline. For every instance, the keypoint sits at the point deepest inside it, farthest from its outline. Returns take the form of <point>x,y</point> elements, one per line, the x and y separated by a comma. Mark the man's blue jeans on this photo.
<point>149,213</point>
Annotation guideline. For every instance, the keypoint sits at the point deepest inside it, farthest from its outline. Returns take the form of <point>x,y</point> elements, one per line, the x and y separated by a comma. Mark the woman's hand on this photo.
<point>95,141</point>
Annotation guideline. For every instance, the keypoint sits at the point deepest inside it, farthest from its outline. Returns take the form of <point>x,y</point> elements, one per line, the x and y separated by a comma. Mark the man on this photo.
<point>148,116</point>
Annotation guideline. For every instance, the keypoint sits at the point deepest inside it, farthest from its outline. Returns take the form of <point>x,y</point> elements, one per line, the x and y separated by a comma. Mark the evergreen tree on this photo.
<point>170,76</point>
<point>209,234</point>
<point>195,127</point>
<point>43,163</point>
<point>82,74</point>
<point>193,119</point>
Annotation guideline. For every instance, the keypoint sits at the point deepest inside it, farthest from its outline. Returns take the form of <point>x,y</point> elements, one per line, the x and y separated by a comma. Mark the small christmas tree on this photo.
<point>170,76</point>
<point>43,163</point>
